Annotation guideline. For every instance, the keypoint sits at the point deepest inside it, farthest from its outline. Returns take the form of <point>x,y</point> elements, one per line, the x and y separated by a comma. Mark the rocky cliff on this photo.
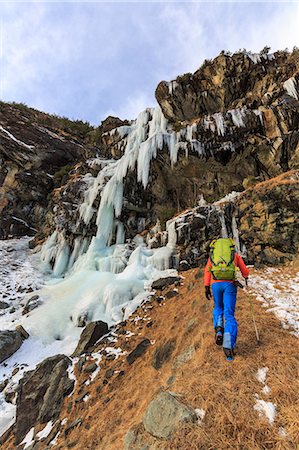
<point>230,125</point>
<point>36,151</point>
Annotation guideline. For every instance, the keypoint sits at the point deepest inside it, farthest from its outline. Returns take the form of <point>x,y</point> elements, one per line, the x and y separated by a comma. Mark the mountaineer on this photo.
<point>222,265</point>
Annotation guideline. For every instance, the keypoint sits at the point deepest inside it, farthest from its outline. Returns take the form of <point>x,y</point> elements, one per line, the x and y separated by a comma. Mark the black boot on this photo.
<point>229,353</point>
<point>219,335</point>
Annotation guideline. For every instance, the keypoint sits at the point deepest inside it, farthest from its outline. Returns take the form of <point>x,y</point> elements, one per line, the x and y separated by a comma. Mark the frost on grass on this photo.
<point>265,409</point>
<point>279,293</point>
<point>261,377</point>
<point>261,374</point>
<point>200,414</point>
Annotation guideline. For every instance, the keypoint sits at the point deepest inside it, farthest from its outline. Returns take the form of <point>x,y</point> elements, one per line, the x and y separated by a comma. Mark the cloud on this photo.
<point>87,60</point>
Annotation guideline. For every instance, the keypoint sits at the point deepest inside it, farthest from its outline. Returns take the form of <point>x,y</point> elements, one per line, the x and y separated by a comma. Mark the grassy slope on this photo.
<point>226,391</point>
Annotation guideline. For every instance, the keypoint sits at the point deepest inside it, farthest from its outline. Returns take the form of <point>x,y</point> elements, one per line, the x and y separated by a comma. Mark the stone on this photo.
<point>163,353</point>
<point>71,426</point>
<point>171,380</point>
<point>137,439</point>
<point>199,274</point>
<point>41,393</point>
<point>192,323</point>
<point>171,294</point>
<point>163,282</point>
<point>3,385</point>
<point>138,351</point>
<point>24,334</point>
<point>109,373</point>
<point>90,368</point>
<point>90,335</point>
<point>4,305</point>
<point>165,414</point>
<point>184,357</point>
<point>10,342</point>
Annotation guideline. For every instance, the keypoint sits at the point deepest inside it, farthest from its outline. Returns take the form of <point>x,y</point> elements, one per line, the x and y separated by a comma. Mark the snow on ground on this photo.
<point>267,409</point>
<point>279,293</point>
<point>19,277</point>
<point>60,304</point>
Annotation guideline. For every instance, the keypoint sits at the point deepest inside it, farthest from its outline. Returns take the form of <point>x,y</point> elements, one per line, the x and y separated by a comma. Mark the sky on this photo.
<point>90,59</point>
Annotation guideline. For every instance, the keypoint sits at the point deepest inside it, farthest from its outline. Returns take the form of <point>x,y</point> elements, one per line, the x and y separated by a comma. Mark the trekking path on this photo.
<point>250,403</point>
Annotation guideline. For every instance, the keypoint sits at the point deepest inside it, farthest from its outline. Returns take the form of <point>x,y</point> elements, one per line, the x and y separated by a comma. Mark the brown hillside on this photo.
<point>226,391</point>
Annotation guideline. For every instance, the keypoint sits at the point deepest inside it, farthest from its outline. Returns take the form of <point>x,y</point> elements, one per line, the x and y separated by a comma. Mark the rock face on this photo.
<point>10,342</point>
<point>269,217</point>
<point>227,82</point>
<point>231,124</point>
<point>90,335</point>
<point>41,393</point>
<point>164,415</point>
<point>36,151</point>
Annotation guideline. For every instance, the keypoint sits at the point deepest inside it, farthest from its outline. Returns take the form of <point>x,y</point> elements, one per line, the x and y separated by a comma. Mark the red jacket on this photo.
<point>238,261</point>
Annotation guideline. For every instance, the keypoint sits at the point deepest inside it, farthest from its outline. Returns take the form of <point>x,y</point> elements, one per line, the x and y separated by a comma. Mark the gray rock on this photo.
<point>164,415</point>
<point>138,351</point>
<point>24,334</point>
<point>183,357</point>
<point>10,342</point>
<point>171,294</point>
<point>4,305</point>
<point>163,353</point>
<point>90,368</point>
<point>73,425</point>
<point>41,393</point>
<point>90,335</point>
<point>191,325</point>
<point>137,439</point>
<point>163,282</point>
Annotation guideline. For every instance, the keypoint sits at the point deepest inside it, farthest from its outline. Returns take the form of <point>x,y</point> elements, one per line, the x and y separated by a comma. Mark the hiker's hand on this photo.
<point>208,293</point>
<point>246,281</point>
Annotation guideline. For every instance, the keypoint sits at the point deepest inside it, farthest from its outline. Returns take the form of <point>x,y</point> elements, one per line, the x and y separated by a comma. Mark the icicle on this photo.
<point>235,232</point>
<point>291,87</point>
<point>237,117</point>
<point>259,114</point>
<point>255,57</point>
<point>172,85</point>
<point>219,120</point>
<point>172,235</point>
<point>224,232</point>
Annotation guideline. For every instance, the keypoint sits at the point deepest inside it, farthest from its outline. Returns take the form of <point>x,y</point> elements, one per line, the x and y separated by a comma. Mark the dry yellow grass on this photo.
<point>226,391</point>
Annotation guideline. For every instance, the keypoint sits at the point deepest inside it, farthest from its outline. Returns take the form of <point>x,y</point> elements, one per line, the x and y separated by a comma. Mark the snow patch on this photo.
<point>279,295</point>
<point>28,439</point>
<point>12,137</point>
<point>45,431</point>
<point>267,409</point>
<point>261,374</point>
<point>200,414</point>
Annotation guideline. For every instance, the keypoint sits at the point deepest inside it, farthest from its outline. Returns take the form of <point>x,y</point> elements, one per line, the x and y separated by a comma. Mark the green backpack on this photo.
<point>222,254</point>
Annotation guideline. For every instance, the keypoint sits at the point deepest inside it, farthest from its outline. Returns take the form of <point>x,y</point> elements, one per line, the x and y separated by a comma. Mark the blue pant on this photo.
<point>225,296</point>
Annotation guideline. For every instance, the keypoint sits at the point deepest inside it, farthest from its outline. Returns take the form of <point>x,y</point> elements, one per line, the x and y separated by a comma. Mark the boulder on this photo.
<point>10,342</point>
<point>163,353</point>
<point>90,335</point>
<point>41,393</point>
<point>4,305</point>
<point>138,351</point>
<point>184,357</point>
<point>165,414</point>
<point>137,439</point>
<point>163,282</point>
